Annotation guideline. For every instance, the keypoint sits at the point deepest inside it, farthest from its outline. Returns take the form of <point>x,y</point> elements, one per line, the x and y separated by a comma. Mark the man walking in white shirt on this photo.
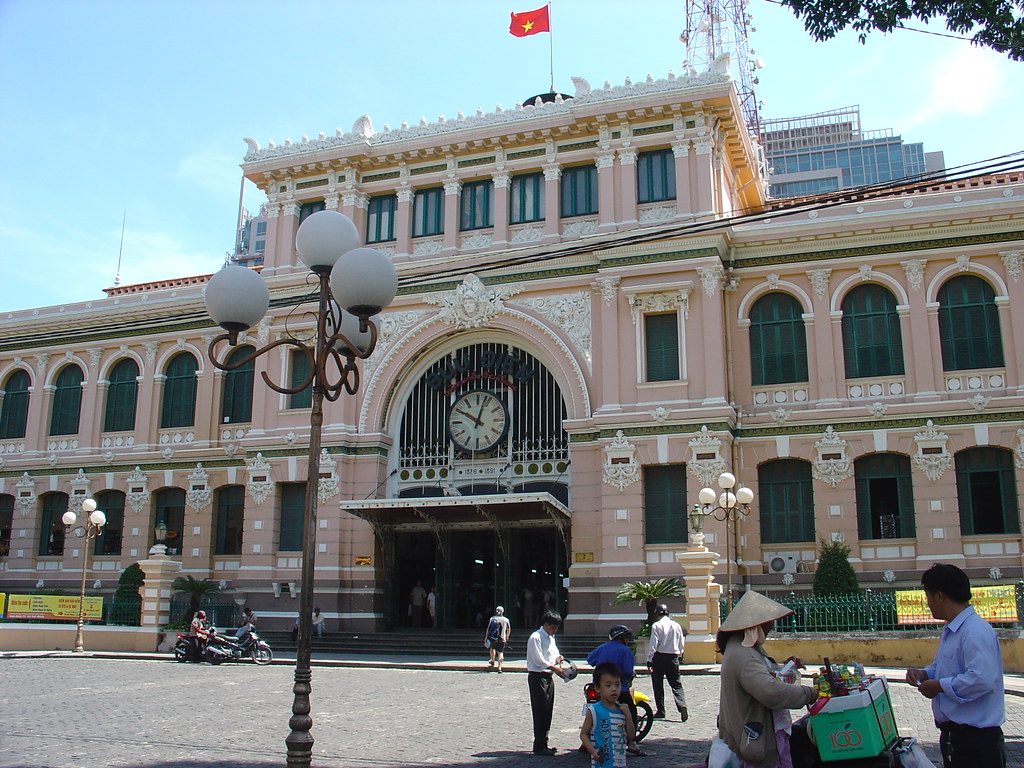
<point>542,661</point>
<point>663,655</point>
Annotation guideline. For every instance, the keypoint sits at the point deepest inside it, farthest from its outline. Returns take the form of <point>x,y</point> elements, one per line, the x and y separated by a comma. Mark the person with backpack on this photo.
<point>496,637</point>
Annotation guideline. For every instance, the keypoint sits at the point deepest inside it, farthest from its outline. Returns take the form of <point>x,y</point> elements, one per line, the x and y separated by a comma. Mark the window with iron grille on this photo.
<point>969,325</point>
<point>475,205</point>
<point>665,520</point>
<point>986,491</point>
<point>661,346</point>
<point>872,341</point>
<point>292,516</point>
<point>14,409</point>
<point>778,340</point>
<point>67,401</point>
<point>526,198</point>
<point>51,526</point>
<point>885,496</point>
<point>785,497</point>
<point>428,212</point>
<point>108,539</point>
<point>178,406</point>
<point>380,218</point>
<point>579,190</point>
<point>236,403</point>
<point>229,506</point>
<point>300,369</point>
<point>655,176</point>
<point>169,507</point>
<point>122,394</point>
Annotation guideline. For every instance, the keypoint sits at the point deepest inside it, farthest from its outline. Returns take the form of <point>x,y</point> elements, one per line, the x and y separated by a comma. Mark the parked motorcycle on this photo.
<point>644,713</point>
<point>220,648</point>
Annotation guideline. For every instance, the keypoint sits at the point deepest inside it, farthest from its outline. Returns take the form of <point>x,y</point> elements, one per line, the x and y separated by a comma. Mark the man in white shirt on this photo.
<point>542,660</point>
<point>663,654</point>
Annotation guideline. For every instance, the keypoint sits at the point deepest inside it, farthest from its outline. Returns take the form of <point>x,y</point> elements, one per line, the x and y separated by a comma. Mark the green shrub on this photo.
<point>834,575</point>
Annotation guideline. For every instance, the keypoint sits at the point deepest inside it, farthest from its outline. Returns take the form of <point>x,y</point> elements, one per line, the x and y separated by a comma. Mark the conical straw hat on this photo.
<point>753,610</point>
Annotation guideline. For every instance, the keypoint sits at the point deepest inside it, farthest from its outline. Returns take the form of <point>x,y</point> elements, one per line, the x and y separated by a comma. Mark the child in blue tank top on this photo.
<point>607,732</point>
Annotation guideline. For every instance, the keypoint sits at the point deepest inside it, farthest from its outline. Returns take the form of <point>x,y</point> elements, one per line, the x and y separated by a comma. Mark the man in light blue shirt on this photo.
<point>965,681</point>
<point>542,661</point>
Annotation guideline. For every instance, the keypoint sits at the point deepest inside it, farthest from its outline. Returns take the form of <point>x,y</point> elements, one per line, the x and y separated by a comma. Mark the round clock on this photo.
<point>477,421</point>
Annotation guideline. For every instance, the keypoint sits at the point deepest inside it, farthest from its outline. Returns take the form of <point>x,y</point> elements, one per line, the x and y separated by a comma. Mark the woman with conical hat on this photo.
<point>753,711</point>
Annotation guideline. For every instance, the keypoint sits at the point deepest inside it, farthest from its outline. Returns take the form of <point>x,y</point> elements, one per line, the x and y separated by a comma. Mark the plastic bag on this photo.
<point>912,756</point>
<point>721,756</point>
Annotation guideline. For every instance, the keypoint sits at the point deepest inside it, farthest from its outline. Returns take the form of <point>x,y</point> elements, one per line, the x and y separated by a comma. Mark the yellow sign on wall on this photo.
<point>2,604</point>
<point>996,605</point>
<point>53,607</point>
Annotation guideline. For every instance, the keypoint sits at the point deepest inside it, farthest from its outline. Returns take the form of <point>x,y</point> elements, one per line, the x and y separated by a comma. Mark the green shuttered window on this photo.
<point>526,198</point>
<point>579,190</point>
<point>885,496</point>
<point>872,342</point>
<point>986,492</point>
<point>665,503</point>
<point>122,395</point>
<point>178,408</point>
<point>428,212</point>
<point>969,325</point>
<point>14,409</point>
<point>786,498</point>
<point>475,204</point>
<point>229,503</point>
<point>236,406</point>
<point>655,176</point>
<point>380,219</point>
<point>293,505</point>
<point>778,340</point>
<point>661,339</point>
<point>67,401</point>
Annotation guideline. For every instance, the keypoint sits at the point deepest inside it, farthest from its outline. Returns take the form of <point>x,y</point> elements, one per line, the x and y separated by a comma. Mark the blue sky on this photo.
<point>110,106</point>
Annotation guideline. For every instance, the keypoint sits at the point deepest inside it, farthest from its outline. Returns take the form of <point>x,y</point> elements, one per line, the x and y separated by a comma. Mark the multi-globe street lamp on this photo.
<point>728,506</point>
<point>353,285</point>
<point>94,523</point>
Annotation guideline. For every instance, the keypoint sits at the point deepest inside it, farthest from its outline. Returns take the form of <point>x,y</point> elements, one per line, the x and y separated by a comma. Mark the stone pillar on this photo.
<point>606,191</point>
<point>702,600</point>
<point>704,179</point>
<point>822,330</point>
<point>685,204</point>
<point>160,571</point>
<point>921,361</point>
<point>713,323</point>
<point>452,205</point>
<point>500,210</point>
<point>403,221</point>
<point>627,180</point>
<point>552,201</point>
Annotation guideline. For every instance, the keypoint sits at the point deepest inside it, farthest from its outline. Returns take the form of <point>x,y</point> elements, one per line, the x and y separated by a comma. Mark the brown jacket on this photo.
<point>749,695</point>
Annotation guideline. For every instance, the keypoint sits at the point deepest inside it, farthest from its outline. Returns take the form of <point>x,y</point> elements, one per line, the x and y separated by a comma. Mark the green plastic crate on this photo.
<point>858,725</point>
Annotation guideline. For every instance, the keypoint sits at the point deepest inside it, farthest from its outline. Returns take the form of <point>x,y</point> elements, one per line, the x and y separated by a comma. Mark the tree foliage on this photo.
<point>196,589</point>
<point>998,24</point>
<point>834,575</point>
<point>649,594</point>
<point>129,582</point>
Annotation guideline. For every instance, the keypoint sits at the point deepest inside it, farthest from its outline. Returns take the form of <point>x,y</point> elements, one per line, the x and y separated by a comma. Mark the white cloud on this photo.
<point>968,84</point>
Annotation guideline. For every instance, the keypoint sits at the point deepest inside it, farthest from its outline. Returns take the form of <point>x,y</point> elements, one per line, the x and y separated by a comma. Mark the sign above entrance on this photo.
<point>506,368</point>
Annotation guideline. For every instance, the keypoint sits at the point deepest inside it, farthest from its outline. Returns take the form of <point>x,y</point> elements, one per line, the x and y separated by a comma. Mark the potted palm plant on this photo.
<point>648,594</point>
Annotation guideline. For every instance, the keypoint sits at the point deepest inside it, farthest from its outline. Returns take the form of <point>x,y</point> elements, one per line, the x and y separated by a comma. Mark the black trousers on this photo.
<point>964,746</point>
<point>665,666</point>
<point>542,703</point>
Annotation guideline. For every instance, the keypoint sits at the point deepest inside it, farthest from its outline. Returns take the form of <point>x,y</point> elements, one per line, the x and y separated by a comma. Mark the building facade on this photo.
<point>600,278</point>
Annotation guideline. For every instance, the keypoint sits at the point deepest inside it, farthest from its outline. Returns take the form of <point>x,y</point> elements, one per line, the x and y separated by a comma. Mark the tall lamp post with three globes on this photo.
<point>353,284</point>
<point>729,506</point>
<point>94,523</point>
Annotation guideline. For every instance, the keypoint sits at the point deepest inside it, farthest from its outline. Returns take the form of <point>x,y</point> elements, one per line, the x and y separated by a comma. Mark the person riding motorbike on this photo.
<point>618,652</point>
<point>199,633</point>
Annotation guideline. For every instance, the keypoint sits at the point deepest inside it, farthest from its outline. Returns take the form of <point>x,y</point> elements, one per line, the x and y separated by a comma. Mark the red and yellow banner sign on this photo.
<point>3,602</point>
<point>53,607</point>
<point>997,605</point>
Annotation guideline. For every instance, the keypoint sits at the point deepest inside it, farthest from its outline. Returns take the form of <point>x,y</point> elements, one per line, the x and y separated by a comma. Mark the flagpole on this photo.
<point>551,43</point>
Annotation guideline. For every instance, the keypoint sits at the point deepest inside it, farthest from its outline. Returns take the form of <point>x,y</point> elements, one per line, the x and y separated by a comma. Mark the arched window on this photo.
<point>778,340</point>
<point>179,399</point>
<point>786,499</point>
<point>67,401</point>
<point>872,342</point>
<point>122,394</point>
<point>236,406</point>
<point>51,527</point>
<point>885,496</point>
<point>108,540</point>
<point>229,506</point>
<point>14,410</point>
<point>170,510</point>
<point>985,491</point>
<point>969,325</point>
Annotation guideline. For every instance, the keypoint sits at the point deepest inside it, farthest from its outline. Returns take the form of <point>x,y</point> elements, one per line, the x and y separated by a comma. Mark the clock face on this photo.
<point>477,421</point>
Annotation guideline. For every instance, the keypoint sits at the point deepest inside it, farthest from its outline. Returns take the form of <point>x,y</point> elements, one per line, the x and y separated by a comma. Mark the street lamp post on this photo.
<point>730,507</point>
<point>94,523</point>
<point>353,284</point>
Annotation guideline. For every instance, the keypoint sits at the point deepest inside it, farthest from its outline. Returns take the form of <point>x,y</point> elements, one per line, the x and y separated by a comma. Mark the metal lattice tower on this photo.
<point>715,28</point>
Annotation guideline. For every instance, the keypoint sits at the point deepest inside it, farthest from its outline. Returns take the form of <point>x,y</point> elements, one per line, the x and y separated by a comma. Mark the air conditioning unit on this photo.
<point>782,562</point>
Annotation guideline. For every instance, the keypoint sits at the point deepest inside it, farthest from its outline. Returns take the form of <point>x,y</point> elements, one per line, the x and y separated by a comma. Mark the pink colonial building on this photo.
<point>602,273</point>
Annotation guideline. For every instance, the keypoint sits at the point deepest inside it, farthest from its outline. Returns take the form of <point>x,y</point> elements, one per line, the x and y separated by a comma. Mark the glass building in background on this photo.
<point>828,151</point>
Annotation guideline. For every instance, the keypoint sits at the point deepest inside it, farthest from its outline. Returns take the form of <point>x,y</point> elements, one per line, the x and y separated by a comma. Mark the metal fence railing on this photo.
<point>220,614</point>
<point>871,610</point>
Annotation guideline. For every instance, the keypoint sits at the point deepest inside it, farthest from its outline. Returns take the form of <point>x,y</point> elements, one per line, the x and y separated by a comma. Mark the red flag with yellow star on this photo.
<point>530,22</point>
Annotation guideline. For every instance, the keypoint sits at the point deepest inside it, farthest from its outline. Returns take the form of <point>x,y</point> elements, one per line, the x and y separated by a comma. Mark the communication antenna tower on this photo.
<point>715,28</point>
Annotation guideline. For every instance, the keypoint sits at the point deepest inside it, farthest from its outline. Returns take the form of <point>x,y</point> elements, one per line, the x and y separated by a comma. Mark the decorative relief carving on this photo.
<point>710,278</point>
<point>472,304</point>
<point>427,247</point>
<point>866,273</point>
<point>137,495</point>
<point>1012,261</point>
<point>620,465</point>
<point>914,269</point>
<point>608,286</point>
<point>262,330</point>
<point>25,494</point>
<point>659,213</point>
<point>527,235</point>
<point>570,312</point>
<point>706,462</point>
<point>580,228</point>
<point>1018,451</point>
<point>665,301</point>
<point>94,357</point>
<point>261,482</point>
<point>41,361</point>
<point>780,415</point>
<point>327,486</point>
<point>773,281</point>
<point>477,240</point>
<point>963,261</point>
<point>877,409</point>
<point>199,494</point>
<point>933,457</point>
<point>819,280</point>
<point>660,414</point>
<point>80,491</point>
<point>979,402</point>
<point>831,465</point>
